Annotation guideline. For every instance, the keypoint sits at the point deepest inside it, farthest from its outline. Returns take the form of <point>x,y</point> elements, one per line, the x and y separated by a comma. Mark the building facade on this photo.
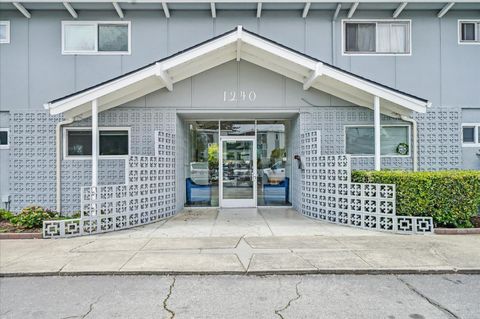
<point>225,94</point>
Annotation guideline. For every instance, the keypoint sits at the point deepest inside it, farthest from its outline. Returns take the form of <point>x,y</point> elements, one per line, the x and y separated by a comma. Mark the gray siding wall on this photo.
<point>33,71</point>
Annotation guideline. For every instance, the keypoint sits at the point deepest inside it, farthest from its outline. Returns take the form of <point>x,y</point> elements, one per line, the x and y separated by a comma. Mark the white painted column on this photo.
<point>95,140</point>
<point>377,128</point>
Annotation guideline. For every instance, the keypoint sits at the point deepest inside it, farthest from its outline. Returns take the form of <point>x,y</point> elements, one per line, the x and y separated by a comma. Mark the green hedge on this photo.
<point>452,198</point>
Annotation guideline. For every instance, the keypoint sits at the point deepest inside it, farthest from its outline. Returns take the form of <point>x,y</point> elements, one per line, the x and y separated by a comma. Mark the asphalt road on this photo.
<point>315,296</point>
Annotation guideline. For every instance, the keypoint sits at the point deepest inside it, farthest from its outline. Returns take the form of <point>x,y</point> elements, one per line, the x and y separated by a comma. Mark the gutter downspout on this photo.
<point>58,174</point>
<point>414,140</point>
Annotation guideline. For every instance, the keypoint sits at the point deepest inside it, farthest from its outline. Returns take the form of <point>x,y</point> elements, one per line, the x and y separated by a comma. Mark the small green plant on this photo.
<point>452,198</point>
<point>33,217</point>
<point>6,215</point>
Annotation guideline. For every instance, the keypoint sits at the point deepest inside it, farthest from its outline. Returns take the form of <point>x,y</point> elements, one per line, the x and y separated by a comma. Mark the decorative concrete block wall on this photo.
<point>329,195</point>
<point>149,195</point>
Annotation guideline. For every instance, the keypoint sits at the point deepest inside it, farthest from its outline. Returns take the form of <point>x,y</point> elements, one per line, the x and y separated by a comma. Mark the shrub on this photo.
<point>6,215</point>
<point>452,198</point>
<point>33,217</point>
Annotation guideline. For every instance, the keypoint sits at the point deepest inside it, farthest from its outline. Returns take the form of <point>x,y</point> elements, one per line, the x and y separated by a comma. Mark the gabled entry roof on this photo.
<point>238,44</point>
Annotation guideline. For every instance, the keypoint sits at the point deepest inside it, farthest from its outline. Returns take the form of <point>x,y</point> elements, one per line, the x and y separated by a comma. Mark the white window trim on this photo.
<point>462,42</point>
<point>7,24</point>
<point>89,157</point>
<point>409,21</point>
<point>476,138</point>
<point>372,126</point>
<point>96,52</point>
<point>5,147</point>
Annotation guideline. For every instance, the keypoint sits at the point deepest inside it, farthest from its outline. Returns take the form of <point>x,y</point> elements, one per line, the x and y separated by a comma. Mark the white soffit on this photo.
<point>229,46</point>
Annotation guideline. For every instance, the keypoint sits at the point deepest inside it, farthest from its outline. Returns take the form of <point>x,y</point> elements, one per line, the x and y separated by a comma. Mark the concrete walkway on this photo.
<point>207,241</point>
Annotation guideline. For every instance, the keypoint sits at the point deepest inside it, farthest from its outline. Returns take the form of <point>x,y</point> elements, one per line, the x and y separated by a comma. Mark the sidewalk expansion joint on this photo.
<point>165,306</point>
<point>298,296</point>
<point>429,300</point>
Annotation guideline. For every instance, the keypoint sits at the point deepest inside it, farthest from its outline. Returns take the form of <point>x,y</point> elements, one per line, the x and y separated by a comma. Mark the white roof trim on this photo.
<point>233,45</point>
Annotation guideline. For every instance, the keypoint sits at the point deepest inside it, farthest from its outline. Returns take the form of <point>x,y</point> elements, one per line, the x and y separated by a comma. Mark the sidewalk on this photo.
<point>242,255</point>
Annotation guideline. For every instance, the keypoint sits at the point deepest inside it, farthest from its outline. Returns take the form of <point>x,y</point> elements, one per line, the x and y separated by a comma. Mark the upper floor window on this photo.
<point>469,31</point>
<point>376,37</point>
<point>471,134</point>
<point>4,31</point>
<point>88,37</point>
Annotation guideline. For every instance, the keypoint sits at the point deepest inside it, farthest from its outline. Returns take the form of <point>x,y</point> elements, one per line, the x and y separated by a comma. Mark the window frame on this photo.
<point>96,52</point>
<point>476,133</point>
<point>89,157</point>
<point>6,146</point>
<point>7,24</point>
<point>477,32</point>
<point>409,129</point>
<point>376,21</point>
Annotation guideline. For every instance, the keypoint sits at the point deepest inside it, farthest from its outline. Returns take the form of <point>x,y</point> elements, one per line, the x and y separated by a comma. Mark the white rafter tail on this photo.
<point>239,42</point>
<point>165,10</point>
<point>259,10</point>
<point>213,9</point>
<point>306,9</point>
<point>313,76</point>
<point>163,75</point>
<point>337,12</point>
<point>70,9</point>
<point>352,9</point>
<point>118,9</point>
<point>22,9</point>
<point>399,10</point>
<point>445,9</point>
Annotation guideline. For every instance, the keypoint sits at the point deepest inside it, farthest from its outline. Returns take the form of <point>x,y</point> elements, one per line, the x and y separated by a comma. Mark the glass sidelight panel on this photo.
<point>272,183</point>
<point>238,170</point>
<point>202,167</point>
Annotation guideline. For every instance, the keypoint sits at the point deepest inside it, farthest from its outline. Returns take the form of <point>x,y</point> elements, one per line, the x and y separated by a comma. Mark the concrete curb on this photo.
<point>385,271</point>
<point>21,236</point>
<point>457,231</point>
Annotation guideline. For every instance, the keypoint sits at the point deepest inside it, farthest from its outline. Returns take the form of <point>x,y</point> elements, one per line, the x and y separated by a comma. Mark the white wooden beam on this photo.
<point>445,9</point>
<point>239,42</point>
<point>352,9</point>
<point>163,75</point>
<point>306,9</point>
<point>212,8</point>
<point>70,9</point>
<point>165,10</point>
<point>118,9</point>
<point>314,75</point>
<point>377,129</point>
<point>259,10</point>
<point>95,140</point>
<point>337,11</point>
<point>399,10</point>
<point>22,9</point>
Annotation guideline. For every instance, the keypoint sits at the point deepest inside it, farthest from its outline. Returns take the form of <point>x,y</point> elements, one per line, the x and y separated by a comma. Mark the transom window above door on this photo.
<point>89,37</point>
<point>362,37</point>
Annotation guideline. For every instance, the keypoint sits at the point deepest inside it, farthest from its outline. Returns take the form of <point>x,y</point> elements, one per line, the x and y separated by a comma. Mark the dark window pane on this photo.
<point>79,143</point>
<point>113,142</point>
<point>3,138</point>
<point>469,134</point>
<point>113,37</point>
<point>360,37</point>
<point>468,31</point>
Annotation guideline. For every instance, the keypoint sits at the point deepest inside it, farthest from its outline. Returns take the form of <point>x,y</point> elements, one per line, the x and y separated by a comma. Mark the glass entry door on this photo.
<point>238,167</point>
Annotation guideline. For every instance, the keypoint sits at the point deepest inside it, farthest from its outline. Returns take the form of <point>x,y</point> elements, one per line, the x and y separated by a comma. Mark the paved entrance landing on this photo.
<point>238,222</point>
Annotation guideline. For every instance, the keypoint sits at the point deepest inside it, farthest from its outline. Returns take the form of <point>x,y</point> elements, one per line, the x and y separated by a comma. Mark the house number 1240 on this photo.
<point>234,96</point>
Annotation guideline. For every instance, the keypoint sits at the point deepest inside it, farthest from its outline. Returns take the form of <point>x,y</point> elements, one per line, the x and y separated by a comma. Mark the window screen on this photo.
<point>113,37</point>
<point>79,143</point>
<point>469,134</point>
<point>80,38</point>
<point>113,142</point>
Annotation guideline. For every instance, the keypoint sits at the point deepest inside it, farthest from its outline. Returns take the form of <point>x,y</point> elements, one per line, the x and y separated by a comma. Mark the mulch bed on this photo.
<point>7,227</point>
